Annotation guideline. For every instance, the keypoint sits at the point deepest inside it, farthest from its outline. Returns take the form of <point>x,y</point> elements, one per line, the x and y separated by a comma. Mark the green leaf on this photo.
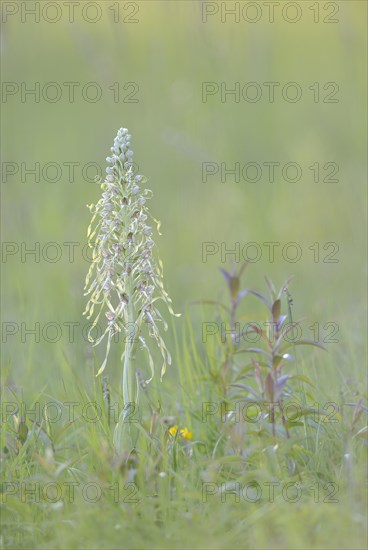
<point>247,388</point>
<point>230,459</point>
<point>276,361</point>
<point>285,285</point>
<point>270,287</point>
<point>302,342</point>
<point>362,433</point>
<point>306,412</point>
<point>291,424</point>
<point>22,432</point>
<point>279,385</point>
<point>264,300</point>
<point>254,350</point>
<point>261,333</point>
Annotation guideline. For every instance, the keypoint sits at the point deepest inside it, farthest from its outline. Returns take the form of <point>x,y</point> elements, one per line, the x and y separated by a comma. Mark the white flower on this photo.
<point>125,278</point>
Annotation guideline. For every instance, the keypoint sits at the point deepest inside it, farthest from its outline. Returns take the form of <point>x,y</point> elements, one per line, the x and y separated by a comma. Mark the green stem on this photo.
<point>125,433</point>
<point>129,386</point>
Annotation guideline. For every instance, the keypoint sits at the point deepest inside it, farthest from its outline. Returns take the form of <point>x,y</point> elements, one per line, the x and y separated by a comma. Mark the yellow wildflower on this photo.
<point>183,432</point>
<point>186,434</point>
<point>173,430</point>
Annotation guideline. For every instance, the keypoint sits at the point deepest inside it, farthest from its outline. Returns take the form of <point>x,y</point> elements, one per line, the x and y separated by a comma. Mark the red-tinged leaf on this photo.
<point>276,310</point>
<point>234,288</point>
<point>258,330</point>
<point>233,283</point>
<point>250,367</point>
<point>269,387</point>
<point>227,275</point>
<point>255,328</point>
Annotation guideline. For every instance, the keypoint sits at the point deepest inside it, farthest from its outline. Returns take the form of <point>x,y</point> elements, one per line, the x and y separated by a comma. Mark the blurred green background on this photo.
<point>169,52</point>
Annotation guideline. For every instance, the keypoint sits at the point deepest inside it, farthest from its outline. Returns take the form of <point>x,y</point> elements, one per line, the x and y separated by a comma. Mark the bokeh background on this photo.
<point>168,49</point>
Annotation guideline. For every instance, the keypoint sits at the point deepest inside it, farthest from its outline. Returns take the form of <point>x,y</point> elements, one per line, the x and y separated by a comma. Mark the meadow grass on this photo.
<point>236,480</point>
